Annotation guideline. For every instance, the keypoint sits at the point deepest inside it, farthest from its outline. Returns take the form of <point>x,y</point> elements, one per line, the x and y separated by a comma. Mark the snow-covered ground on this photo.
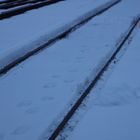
<point>114,112</point>
<point>23,33</point>
<point>35,95</point>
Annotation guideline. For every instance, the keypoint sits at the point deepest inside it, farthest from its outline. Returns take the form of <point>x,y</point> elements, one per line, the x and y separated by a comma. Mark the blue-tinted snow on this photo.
<point>114,112</point>
<point>39,91</point>
<point>23,33</point>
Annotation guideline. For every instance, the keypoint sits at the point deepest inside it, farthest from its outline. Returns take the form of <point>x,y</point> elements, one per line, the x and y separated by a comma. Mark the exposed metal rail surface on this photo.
<point>62,35</point>
<point>8,1</point>
<point>77,104</point>
<point>18,3</point>
<point>23,7</point>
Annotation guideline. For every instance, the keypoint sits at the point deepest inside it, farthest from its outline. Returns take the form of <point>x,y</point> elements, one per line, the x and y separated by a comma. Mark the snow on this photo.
<point>37,93</point>
<point>115,111</point>
<point>25,32</point>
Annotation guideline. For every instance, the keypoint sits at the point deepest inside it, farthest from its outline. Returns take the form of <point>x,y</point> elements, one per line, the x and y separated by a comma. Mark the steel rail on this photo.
<point>77,104</point>
<point>20,10</point>
<point>62,35</point>
<point>19,3</point>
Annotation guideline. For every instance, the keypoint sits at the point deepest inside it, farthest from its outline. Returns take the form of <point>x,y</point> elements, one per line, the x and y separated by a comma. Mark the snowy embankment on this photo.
<point>41,89</point>
<point>114,112</point>
<point>24,33</point>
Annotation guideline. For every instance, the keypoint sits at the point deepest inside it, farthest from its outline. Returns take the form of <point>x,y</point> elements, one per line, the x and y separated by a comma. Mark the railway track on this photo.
<point>18,3</point>
<point>72,111</point>
<point>62,35</point>
<point>77,104</point>
<point>9,1</point>
<point>12,8</point>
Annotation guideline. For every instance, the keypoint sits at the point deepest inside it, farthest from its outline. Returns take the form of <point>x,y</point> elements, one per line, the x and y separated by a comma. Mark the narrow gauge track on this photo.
<point>9,66</point>
<point>21,6</point>
<point>77,104</point>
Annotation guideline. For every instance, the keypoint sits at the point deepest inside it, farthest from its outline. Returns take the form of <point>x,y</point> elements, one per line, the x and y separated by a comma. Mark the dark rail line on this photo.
<point>20,10</point>
<point>19,3</point>
<point>8,1</point>
<point>71,112</point>
<point>8,67</point>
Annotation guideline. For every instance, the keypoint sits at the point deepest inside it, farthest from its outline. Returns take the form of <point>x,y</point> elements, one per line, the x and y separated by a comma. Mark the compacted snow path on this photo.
<point>37,93</point>
<point>114,112</point>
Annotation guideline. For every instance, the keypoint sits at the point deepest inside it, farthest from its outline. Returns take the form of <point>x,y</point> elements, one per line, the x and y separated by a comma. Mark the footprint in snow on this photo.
<point>118,96</point>
<point>68,81</point>
<point>2,136</point>
<point>25,103</point>
<point>80,58</point>
<point>73,70</point>
<point>137,93</point>
<point>49,85</point>
<point>33,110</point>
<point>55,76</point>
<point>46,98</point>
<point>21,130</point>
<point>83,51</point>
